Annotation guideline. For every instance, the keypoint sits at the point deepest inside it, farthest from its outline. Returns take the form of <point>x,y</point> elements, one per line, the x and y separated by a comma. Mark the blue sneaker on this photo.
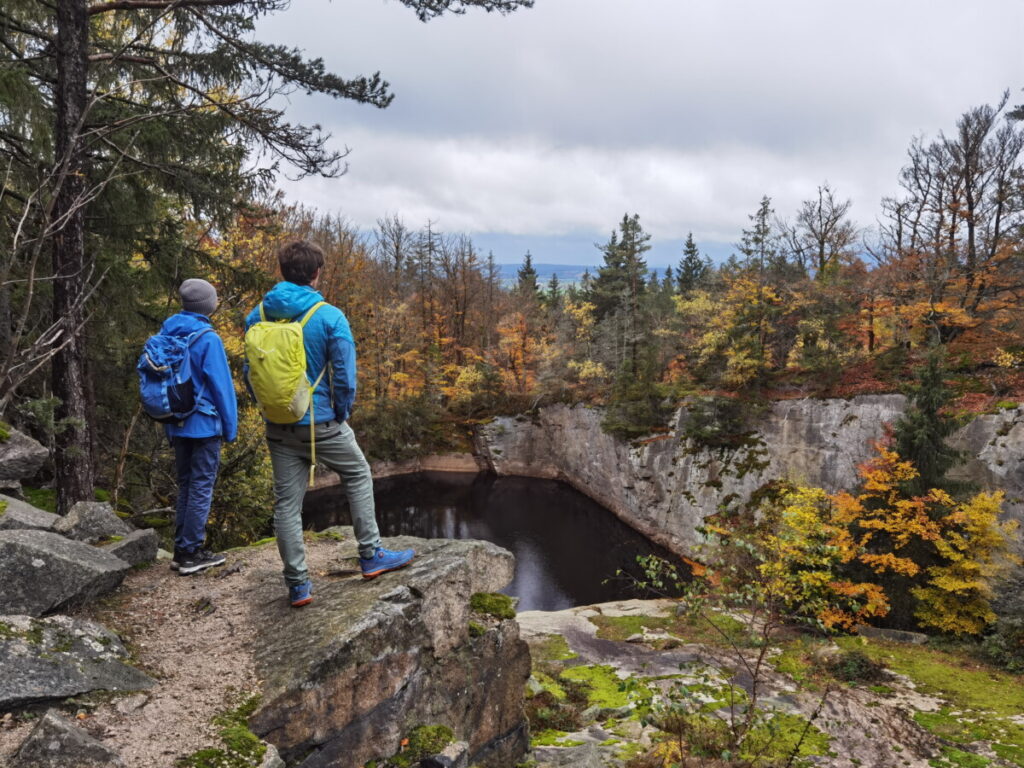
<point>385,560</point>
<point>301,594</point>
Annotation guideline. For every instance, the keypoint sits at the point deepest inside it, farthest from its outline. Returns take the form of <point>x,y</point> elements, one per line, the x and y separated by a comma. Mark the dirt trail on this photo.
<point>194,634</point>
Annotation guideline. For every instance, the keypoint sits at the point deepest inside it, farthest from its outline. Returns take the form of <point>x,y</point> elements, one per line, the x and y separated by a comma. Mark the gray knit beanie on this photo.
<point>198,296</point>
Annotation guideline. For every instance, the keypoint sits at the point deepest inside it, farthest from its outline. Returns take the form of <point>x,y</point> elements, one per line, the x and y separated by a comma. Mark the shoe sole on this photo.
<point>198,568</point>
<point>300,603</point>
<point>375,574</point>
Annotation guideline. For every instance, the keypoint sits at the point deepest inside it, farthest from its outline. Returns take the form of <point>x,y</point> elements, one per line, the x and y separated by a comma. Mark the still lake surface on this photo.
<point>568,548</point>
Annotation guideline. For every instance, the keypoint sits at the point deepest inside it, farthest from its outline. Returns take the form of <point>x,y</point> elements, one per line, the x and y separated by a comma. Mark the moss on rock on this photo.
<point>493,604</point>
<point>241,747</point>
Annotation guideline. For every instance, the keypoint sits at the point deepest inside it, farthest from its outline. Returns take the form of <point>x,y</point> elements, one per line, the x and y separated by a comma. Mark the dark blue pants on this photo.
<point>196,460</point>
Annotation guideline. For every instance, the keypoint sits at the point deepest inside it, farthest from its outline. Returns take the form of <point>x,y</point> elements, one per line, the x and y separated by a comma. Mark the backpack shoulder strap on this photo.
<point>263,315</point>
<point>197,334</point>
<point>311,312</point>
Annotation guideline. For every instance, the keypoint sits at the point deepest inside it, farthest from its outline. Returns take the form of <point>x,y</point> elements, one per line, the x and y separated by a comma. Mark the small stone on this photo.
<point>637,638</point>
<point>130,704</point>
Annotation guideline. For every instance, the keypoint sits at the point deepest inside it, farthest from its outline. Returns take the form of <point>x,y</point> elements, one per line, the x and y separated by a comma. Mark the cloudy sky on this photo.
<point>538,130</point>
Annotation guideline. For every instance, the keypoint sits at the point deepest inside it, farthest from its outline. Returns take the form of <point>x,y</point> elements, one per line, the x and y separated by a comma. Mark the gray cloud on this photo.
<point>560,118</point>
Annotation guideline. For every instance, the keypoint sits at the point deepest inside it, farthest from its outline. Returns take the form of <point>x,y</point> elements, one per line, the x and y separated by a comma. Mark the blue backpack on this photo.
<point>165,377</point>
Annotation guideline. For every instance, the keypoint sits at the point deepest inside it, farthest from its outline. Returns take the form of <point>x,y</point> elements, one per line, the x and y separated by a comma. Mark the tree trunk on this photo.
<point>73,459</point>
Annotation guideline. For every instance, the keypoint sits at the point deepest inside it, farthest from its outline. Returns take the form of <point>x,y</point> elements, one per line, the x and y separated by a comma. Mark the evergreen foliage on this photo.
<point>921,435</point>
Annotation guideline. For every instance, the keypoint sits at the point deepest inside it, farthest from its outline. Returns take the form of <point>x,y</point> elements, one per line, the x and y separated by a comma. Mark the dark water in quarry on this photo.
<point>567,547</point>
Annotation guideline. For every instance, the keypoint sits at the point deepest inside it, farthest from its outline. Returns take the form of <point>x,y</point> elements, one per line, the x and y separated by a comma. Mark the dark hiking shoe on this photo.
<point>385,560</point>
<point>301,594</point>
<point>199,560</point>
<point>179,555</point>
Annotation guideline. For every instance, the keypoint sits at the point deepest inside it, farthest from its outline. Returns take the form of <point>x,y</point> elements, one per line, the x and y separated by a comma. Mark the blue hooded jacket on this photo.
<point>217,410</point>
<point>327,339</point>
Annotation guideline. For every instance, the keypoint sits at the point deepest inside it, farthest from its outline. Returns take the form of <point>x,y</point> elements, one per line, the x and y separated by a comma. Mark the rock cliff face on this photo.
<point>346,679</point>
<point>665,486</point>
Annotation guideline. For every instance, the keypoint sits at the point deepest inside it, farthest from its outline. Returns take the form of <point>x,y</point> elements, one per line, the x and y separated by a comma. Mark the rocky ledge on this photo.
<point>346,679</point>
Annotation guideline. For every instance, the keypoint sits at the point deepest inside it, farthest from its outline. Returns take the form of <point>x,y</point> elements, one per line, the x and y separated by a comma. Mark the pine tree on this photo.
<point>553,297</point>
<point>527,284</point>
<point>621,281</point>
<point>921,433</point>
<point>692,269</point>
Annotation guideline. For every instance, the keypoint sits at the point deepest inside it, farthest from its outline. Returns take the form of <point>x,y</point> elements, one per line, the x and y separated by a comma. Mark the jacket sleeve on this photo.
<point>341,350</point>
<point>222,388</point>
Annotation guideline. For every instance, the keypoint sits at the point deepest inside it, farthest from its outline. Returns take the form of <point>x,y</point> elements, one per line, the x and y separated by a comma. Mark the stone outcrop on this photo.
<point>42,572</point>
<point>666,485</point>
<point>51,659</point>
<point>91,521</point>
<point>20,458</point>
<point>136,548</point>
<point>56,742</point>
<point>351,675</point>
<point>18,514</point>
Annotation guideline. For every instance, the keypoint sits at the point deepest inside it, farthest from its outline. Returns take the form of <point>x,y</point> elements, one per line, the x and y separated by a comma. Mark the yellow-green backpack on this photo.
<point>277,370</point>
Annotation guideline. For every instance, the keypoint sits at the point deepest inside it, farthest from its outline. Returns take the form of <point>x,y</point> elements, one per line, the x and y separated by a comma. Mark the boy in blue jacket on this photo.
<point>330,348</point>
<point>197,439</point>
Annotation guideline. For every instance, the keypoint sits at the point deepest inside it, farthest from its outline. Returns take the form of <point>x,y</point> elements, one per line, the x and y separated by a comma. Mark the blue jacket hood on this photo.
<point>185,323</point>
<point>288,300</point>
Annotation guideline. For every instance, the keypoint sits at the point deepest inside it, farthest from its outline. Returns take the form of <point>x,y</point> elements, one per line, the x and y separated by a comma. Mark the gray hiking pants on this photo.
<point>336,447</point>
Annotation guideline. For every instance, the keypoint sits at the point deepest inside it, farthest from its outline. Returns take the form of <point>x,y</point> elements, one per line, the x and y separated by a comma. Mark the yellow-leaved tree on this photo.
<point>944,554</point>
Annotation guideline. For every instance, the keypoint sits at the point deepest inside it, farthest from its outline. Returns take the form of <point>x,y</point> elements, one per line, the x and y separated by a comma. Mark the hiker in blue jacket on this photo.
<point>330,350</point>
<point>197,439</point>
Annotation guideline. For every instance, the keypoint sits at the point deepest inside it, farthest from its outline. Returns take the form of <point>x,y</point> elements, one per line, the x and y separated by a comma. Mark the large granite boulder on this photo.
<point>351,675</point>
<point>136,548</point>
<point>20,458</point>
<point>53,658</point>
<point>15,513</point>
<point>92,521</point>
<point>42,572</point>
<point>56,742</point>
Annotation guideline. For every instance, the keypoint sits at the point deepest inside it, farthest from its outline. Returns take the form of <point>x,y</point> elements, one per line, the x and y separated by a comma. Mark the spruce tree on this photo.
<point>526,283</point>
<point>692,268</point>
<point>922,432</point>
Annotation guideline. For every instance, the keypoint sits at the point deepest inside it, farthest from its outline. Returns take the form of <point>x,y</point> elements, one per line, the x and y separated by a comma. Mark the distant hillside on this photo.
<point>567,273</point>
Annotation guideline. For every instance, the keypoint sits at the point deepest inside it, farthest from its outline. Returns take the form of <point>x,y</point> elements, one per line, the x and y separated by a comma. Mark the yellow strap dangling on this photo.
<point>312,425</point>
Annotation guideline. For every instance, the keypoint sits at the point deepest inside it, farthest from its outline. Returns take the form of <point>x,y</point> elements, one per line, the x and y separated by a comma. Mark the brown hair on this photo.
<point>299,261</point>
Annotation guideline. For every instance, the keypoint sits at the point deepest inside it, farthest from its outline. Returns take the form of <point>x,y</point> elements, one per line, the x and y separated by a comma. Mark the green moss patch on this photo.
<point>41,498</point>
<point>604,687</point>
<point>715,629</point>
<point>476,629</point>
<point>550,738</point>
<point>241,747</point>
<point>981,700</point>
<point>957,758</point>
<point>5,431</point>
<point>551,648</point>
<point>423,741</point>
<point>493,604</point>
<point>776,738</point>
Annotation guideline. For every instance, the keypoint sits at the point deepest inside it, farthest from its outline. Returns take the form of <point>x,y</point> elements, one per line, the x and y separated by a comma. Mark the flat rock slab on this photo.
<point>346,678</point>
<point>137,547</point>
<point>56,742</point>
<point>42,572</point>
<point>22,515</point>
<point>51,659</point>
<point>92,521</point>
<point>20,457</point>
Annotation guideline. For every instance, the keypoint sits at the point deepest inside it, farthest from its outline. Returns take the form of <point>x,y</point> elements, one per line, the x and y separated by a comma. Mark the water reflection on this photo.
<point>568,548</point>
